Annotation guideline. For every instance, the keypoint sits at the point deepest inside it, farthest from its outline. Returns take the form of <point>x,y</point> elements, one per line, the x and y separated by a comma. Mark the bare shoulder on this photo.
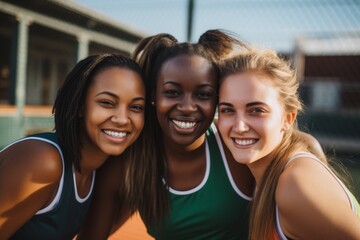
<point>299,179</point>
<point>312,203</point>
<point>30,172</point>
<point>40,159</point>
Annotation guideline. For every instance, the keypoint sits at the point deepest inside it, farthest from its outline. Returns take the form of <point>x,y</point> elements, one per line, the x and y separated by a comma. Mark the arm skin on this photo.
<point>107,206</point>
<point>313,205</point>
<point>30,172</point>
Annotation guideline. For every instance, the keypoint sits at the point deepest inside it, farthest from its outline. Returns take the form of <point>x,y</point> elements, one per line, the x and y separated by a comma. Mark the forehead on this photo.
<point>185,68</point>
<point>114,78</point>
<point>248,85</point>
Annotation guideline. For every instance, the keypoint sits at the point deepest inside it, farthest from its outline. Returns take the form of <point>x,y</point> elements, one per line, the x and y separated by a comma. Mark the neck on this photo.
<point>174,150</point>
<point>91,159</point>
<point>259,167</point>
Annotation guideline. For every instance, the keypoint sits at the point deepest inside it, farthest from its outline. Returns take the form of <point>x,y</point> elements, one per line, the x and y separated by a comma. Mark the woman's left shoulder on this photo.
<point>305,179</point>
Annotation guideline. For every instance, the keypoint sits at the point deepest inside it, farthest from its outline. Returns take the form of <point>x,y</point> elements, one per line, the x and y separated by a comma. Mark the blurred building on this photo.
<point>40,41</point>
<point>329,70</point>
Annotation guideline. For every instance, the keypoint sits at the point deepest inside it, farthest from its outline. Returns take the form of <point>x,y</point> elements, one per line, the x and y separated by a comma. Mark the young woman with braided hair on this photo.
<point>46,180</point>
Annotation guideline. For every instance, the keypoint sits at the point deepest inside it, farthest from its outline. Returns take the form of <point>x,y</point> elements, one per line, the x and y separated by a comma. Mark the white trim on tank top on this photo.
<point>197,188</point>
<point>56,199</point>
<point>228,172</point>
<point>313,157</point>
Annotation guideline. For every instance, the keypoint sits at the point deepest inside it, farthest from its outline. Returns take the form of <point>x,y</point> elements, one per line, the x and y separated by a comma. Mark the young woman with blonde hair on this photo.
<point>297,195</point>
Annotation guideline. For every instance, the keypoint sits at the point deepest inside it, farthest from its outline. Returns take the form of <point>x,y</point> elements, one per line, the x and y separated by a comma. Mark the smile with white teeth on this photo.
<point>244,142</point>
<point>184,125</point>
<point>115,134</point>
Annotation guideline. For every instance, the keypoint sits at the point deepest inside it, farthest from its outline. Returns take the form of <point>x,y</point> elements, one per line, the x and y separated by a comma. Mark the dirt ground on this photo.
<point>133,229</point>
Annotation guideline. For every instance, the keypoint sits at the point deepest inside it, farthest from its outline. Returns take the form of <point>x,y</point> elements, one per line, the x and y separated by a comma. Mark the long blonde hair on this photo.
<point>267,62</point>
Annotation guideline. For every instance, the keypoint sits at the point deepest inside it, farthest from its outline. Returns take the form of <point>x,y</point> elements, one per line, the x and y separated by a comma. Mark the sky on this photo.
<point>265,23</point>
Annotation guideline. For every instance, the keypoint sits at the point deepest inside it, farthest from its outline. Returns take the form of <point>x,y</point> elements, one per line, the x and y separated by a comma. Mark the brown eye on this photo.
<point>137,108</point>
<point>171,93</point>
<point>106,103</point>
<point>204,95</point>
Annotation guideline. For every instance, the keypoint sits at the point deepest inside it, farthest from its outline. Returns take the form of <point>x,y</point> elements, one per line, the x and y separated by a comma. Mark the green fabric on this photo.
<point>62,222</point>
<point>215,211</point>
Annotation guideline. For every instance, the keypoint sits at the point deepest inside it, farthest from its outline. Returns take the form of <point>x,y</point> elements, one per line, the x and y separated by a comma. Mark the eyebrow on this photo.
<point>117,97</point>
<point>171,82</point>
<point>179,85</point>
<point>225,104</point>
<point>107,93</point>
<point>139,99</point>
<point>254,104</point>
<point>247,105</point>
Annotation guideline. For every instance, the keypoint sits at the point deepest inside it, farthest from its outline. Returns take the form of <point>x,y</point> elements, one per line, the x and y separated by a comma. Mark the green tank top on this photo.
<point>63,217</point>
<point>216,209</point>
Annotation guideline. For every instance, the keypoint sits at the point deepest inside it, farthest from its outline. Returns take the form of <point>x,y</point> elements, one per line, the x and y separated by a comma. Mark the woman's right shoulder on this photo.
<point>30,156</point>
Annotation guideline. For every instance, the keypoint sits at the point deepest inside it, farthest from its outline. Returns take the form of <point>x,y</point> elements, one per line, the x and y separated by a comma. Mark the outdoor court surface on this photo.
<point>133,229</point>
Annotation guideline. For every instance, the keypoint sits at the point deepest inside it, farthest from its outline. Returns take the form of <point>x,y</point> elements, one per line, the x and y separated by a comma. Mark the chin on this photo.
<point>115,151</point>
<point>243,159</point>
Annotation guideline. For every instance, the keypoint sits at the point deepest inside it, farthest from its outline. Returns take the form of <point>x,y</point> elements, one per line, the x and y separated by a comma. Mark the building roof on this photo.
<point>72,18</point>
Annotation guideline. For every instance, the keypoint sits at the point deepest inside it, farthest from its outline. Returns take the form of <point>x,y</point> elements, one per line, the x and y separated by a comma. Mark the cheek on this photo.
<point>208,108</point>
<point>271,128</point>
<point>163,104</point>
<point>225,127</point>
<point>140,122</point>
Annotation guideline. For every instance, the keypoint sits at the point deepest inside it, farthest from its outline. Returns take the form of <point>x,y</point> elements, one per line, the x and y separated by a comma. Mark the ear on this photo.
<point>289,120</point>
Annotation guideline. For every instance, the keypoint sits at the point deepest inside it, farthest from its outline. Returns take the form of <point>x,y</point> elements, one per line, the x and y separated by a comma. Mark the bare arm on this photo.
<point>313,205</point>
<point>106,206</point>
<point>30,172</point>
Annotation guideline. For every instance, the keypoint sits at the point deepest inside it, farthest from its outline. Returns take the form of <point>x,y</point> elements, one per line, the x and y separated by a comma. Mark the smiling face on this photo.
<point>251,117</point>
<point>114,110</point>
<point>185,98</point>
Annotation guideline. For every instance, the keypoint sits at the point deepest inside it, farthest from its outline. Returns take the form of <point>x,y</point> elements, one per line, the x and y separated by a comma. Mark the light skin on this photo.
<point>30,171</point>
<point>252,121</point>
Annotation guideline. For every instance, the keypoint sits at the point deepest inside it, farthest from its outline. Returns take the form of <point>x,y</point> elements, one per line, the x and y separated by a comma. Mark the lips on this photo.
<point>115,134</point>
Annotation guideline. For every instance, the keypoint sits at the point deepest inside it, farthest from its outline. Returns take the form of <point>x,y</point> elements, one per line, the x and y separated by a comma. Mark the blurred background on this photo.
<point>41,40</point>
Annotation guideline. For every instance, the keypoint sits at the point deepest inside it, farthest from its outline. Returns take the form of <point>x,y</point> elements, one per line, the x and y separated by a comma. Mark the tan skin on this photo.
<point>30,171</point>
<point>185,92</point>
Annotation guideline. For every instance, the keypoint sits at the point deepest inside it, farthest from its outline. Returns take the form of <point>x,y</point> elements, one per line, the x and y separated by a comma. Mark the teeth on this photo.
<point>115,134</point>
<point>244,142</point>
<point>184,125</point>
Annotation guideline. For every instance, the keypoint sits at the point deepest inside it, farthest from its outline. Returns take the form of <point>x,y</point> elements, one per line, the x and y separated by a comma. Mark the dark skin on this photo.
<point>185,99</point>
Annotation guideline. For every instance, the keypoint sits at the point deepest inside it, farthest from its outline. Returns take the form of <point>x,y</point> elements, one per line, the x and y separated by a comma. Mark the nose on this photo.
<point>187,104</point>
<point>120,116</point>
<point>240,124</point>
